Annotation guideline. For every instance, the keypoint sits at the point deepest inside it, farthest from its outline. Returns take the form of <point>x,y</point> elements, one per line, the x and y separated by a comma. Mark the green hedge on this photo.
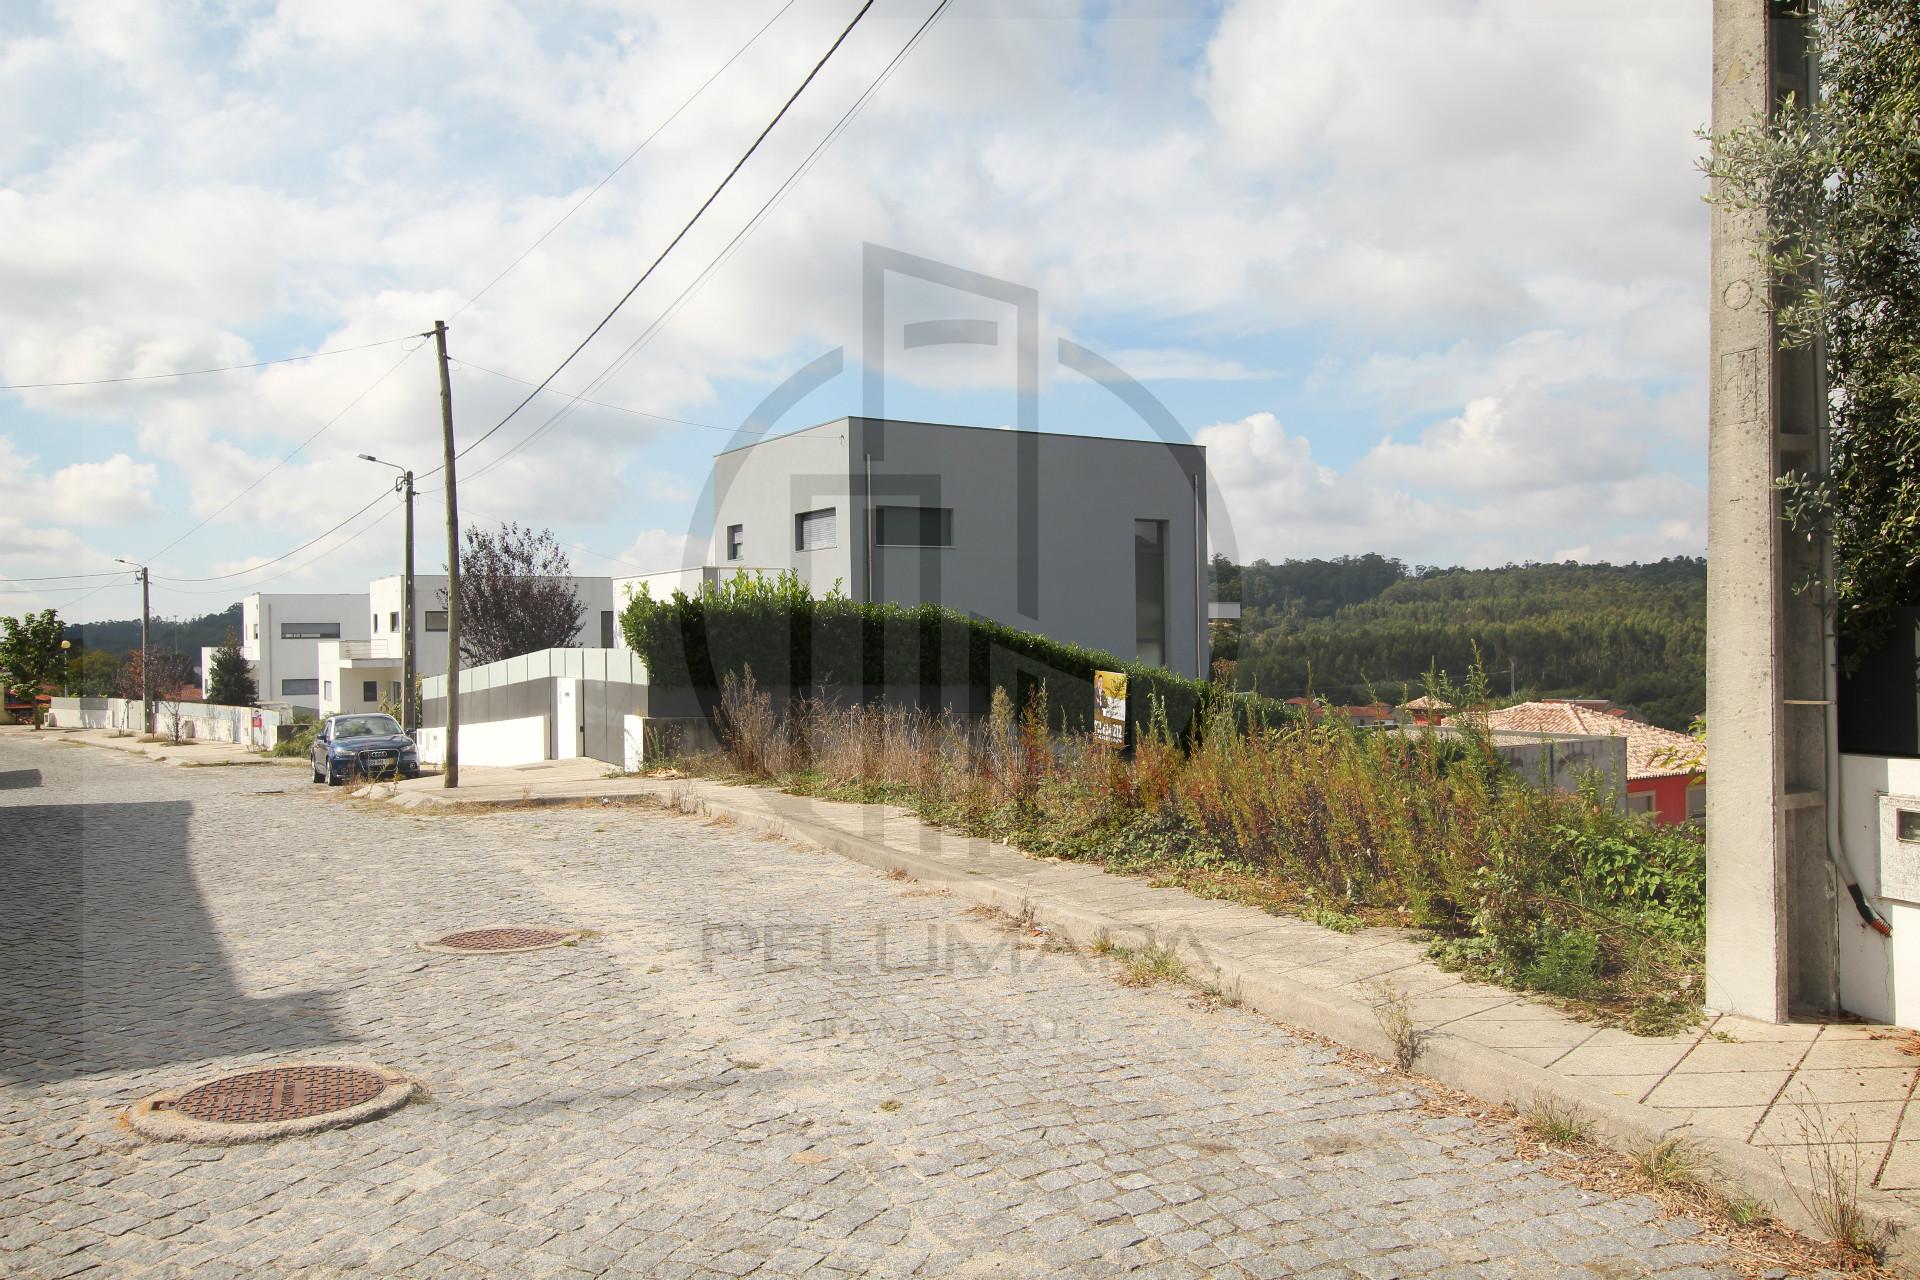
<point>793,641</point>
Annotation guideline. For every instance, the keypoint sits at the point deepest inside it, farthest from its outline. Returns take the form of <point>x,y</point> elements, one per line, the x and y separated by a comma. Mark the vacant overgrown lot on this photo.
<point>1544,890</point>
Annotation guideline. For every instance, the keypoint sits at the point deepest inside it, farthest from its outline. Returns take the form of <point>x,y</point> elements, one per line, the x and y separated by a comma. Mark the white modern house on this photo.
<point>358,675</point>
<point>281,635</point>
<point>1097,541</point>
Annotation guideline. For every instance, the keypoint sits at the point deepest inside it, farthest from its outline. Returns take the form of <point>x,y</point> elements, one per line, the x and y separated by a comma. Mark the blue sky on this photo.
<point>1428,279</point>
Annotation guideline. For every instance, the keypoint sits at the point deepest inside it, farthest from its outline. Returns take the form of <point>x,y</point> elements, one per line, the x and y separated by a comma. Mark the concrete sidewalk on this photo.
<point>191,753</point>
<point>1759,1099</point>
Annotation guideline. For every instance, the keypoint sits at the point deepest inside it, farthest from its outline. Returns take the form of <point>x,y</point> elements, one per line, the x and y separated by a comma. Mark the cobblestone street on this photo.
<point>764,1061</point>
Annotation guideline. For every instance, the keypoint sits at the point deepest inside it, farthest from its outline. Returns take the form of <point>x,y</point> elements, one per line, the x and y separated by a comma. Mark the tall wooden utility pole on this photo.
<point>146,672</point>
<point>452,776</point>
<point>146,668</point>
<point>406,610</point>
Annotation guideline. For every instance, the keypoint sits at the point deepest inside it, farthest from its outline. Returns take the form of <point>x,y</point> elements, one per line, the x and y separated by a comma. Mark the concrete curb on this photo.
<point>1473,1068</point>
<point>151,1120</point>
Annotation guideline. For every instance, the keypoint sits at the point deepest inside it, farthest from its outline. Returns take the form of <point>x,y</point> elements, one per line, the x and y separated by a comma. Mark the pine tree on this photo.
<point>230,683</point>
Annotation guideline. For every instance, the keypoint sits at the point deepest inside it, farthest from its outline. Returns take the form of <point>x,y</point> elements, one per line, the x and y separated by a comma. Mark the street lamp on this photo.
<point>403,485</point>
<point>65,645</point>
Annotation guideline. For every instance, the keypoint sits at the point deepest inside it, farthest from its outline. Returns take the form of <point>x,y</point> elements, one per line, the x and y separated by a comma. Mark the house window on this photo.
<point>394,693</point>
<point>1150,592</point>
<point>913,526</point>
<point>814,530</point>
<point>1697,802</point>
<point>393,621</point>
<point>256,631</point>
<point>326,690</point>
<point>606,628</point>
<point>1640,802</point>
<point>309,631</point>
<point>376,624</point>
<point>736,540</point>
<point>299,688</point>
<point>436,619</point>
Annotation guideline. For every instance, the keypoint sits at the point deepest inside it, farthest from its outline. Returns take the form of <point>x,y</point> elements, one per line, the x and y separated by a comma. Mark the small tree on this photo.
<point>30,656</point>
<point>170,672</point>
<point>230,682</point>
<point>516,594</point>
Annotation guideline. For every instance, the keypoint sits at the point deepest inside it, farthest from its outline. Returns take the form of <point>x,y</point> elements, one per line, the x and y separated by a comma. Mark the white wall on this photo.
<point>277,659</point>
<point>257,727</point>
<point>499,742</point>
<point>383,598</point>
<point>1879,977</point>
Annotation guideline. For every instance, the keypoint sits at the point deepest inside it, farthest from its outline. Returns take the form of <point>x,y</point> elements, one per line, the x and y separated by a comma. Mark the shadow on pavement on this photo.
<point>19,779</point>
<point>109,959</point>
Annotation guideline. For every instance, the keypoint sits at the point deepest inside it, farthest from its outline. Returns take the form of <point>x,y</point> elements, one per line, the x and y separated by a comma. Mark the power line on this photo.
<point>290,454</point>
<point>194,373</point>
<point>678,236</point>
<point>328,425</point>
<point>65,577</point>
<point>732,245</point>
<point>630,156</point>
<point>222,577</point>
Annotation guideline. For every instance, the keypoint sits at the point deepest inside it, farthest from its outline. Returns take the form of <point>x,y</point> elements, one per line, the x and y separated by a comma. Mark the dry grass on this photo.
<point>1393,1010</point>
<point>1150,965</point>
<point>1558,1123</point>
<point>1668,1163</point>
<point>1836,1168</point>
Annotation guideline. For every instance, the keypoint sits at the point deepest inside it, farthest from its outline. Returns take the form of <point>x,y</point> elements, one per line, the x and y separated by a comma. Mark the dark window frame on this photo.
<point>889,514</point>
<point>309,631</point>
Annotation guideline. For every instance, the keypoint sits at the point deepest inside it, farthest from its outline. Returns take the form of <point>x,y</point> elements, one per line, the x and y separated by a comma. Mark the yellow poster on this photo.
<point>1110,707</point>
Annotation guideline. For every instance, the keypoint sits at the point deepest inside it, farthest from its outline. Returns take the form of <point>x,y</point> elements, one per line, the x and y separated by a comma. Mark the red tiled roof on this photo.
<point>1652,752</point>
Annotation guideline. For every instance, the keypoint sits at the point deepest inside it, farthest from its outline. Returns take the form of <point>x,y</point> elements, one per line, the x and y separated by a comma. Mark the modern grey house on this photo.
<point>1096,541</point>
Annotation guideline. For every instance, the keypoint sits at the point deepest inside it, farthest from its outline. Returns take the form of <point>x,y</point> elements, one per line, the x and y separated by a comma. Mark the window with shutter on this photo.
<point>814,530</point>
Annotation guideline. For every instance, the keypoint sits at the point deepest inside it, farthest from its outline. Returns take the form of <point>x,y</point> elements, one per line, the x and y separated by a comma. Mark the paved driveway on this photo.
<point>767,1062</point>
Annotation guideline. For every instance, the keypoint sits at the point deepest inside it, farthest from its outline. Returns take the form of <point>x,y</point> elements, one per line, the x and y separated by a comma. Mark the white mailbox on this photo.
<point>1900,847</point>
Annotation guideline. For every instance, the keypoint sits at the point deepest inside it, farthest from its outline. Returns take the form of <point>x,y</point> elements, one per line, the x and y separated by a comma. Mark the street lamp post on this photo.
<point>65,645</point>
<point>403,485</point>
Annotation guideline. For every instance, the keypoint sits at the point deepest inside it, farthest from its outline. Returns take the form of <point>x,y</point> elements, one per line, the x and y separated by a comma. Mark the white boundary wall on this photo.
<point>494,742</point>
<point>257,727</point>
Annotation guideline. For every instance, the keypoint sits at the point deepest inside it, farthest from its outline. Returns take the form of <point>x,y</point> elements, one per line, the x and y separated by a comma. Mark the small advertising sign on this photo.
<point>1110,707</point>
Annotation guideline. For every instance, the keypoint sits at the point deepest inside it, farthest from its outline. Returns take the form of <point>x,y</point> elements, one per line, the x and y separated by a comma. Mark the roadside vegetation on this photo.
<point>1536,889</point>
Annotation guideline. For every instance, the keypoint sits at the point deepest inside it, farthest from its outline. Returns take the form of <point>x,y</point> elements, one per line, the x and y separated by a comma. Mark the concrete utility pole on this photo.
<point>452,776</point>
<point>146,670</point>
<point>1771,887</point>
<point>404,486</point>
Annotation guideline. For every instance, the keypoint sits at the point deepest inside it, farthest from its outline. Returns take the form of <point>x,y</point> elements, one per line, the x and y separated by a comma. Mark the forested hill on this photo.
<point>1635,633</point>
<point>164,635</point>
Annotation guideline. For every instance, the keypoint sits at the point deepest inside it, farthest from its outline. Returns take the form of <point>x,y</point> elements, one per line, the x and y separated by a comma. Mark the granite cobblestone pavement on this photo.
<point>766,1061</point>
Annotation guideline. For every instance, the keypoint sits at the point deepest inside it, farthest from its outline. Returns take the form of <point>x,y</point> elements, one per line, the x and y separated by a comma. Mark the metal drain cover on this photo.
<point>271,1103</point>
<point>503,939</point>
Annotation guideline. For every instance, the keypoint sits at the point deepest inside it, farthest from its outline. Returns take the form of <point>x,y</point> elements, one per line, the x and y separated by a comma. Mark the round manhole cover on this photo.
<point>503,939</point>
<point>272,1102</point>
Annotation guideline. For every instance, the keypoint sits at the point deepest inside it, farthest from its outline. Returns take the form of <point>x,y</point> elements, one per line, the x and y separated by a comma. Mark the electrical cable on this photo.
<point>678,236</point>
<point>194,373</point>
<point>726,252</point>
<point>221,577</point>
<point>611,174</point>
<point>631,155</point>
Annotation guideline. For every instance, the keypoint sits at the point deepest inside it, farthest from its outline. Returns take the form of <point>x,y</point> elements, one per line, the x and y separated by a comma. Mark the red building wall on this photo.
<point>1669,797</point>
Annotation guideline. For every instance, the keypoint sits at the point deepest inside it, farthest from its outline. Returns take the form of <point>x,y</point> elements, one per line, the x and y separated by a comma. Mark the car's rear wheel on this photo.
<point>313,769</point>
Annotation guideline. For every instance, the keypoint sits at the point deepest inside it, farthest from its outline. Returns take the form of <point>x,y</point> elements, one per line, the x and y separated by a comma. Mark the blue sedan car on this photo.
<point>362,745</point>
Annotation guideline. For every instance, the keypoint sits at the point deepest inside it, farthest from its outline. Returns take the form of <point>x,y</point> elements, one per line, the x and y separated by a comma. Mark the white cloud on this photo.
<point>1479,219</point>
